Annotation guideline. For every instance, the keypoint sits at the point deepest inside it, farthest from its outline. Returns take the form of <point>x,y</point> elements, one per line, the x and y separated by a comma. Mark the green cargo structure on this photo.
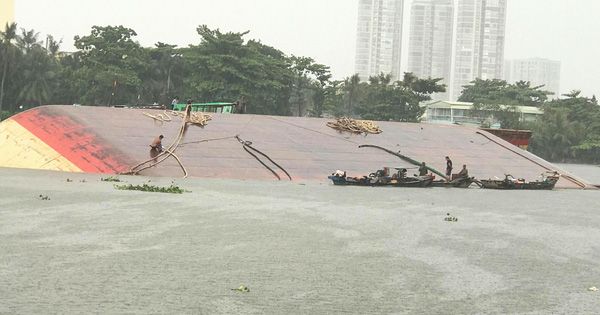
<point>221,108</point>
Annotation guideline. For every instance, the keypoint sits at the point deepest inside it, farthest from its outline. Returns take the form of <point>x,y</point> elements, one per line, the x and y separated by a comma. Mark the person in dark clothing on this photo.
<point>464,173</point>
<point>448,167</point>
<point>423,170</point>
<point>240,107</point>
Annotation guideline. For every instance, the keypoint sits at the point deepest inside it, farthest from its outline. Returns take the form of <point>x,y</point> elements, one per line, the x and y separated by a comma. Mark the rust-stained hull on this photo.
<point>112,140</point>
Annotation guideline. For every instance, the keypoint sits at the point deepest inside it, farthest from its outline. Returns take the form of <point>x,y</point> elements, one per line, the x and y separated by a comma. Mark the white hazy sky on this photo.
<point>565,30</point>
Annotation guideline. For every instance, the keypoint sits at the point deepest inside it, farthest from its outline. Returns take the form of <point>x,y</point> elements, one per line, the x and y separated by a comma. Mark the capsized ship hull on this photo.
<point>112,140</point>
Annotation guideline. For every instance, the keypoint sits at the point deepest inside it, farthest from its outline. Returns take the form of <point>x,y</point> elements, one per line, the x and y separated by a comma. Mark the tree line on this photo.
<point>109,67</point>
<point>568,131</point>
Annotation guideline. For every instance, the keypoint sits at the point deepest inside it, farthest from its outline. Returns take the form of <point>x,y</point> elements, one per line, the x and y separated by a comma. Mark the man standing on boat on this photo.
<point>448,168</point>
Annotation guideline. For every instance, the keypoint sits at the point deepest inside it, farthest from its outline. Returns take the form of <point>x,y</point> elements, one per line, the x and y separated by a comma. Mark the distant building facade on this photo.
<point>538,71</point>
<point>379,37</point>
<point>445,112</point>
<point>7,12</point>
<point>430,42</point>
<point>480,37</point>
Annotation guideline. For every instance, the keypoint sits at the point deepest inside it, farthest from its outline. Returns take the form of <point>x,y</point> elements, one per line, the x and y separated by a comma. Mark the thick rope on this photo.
<point>164,117</point>
<point>206,140</point>
<point>201,120</point>
<point>270,160</point>
<point>324,134</point>
<point>248,145</point>
<point>170,151</point>
<point>185,173</point>
<point>261,162</point>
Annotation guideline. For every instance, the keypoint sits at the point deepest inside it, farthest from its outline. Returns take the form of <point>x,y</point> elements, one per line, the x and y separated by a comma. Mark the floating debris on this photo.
<point>593,289</point>
<point>111,179</point>
<point>450,218</point>
<point>242,288</point>
<point>69,180</point>
<point>44,197</point>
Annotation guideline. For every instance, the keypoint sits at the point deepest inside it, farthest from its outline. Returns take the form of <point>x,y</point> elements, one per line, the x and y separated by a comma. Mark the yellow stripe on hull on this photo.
<point>21,149</point>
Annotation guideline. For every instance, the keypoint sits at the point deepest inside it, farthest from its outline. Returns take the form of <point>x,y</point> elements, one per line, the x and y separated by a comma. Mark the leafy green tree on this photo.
<point>111,64</point>
<point>588,150</point>
<point>225,67</point>
<point>333,94</point>
<point>38,77</point>
<point>53,46</point>
<point>501,99</point>
<point>508,116</point>
<point>555,135</point>
<point>397,101</point>
<point>69,87</point>
<point>310,78</point>
<point>353,91</point>
<point>569,130</point>
<point>502,93</point>
<point>8,54</point>
<point>28,40</point>
<point>164,78</point>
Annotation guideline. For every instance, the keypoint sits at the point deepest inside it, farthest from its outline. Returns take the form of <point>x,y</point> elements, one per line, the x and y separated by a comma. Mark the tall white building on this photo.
<point>480,29</point>
<point>430,43</point>
<point>7,13</point>
<point>379,37</point>
<point>538,71</point>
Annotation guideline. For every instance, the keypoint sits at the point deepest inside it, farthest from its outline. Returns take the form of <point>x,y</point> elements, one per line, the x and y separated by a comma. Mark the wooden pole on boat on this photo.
<point>405,158</point>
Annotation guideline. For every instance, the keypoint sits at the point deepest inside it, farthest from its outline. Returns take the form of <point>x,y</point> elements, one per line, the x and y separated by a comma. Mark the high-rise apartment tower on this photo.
<point>379,37</point>
<point>538,71</point>
<point>430,43</point>
<point>480,29</point>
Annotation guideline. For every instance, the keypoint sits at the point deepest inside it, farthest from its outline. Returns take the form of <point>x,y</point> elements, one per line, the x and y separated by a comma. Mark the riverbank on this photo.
<point>300,248</point>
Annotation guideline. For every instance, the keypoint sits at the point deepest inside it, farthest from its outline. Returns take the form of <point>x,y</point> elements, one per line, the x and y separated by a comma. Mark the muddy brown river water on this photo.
<point>299,248</point>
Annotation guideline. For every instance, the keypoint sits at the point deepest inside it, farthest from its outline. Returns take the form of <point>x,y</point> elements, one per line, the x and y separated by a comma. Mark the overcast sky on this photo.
<point>565,30</point>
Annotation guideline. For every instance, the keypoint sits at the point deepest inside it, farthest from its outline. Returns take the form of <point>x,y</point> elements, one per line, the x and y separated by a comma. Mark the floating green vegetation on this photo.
<point>111,179</point>
<point>151,188</point>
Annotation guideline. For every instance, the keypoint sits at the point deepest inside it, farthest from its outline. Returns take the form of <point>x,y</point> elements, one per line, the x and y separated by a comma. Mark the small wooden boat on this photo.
<point>511,183</point>
<point>381,179</point>
<point>464,182</point>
